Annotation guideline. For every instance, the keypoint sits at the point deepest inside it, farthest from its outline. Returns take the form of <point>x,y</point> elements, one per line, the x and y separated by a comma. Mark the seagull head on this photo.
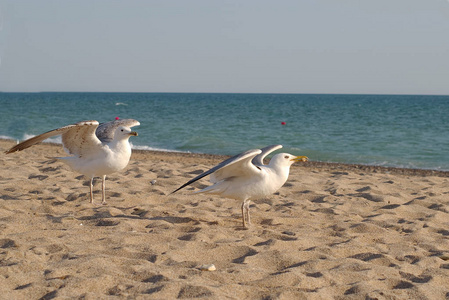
<point>124,132</point>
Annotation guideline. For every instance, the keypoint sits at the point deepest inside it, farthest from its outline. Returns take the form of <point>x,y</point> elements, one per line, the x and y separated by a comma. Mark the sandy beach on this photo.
<point>331,232</point>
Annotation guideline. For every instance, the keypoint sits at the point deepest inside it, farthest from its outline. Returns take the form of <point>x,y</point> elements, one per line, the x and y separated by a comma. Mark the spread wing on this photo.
<point>239,165</point>
<point>105,131</point>
<point>80,138</point>
<point>75,137</point>
<point>258,160</point>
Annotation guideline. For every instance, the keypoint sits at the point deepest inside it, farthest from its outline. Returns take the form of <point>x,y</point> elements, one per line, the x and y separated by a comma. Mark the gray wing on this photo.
<point>243,158</point>
<point>67,133</point>
<point>105,131</point>
<point>258,160</point>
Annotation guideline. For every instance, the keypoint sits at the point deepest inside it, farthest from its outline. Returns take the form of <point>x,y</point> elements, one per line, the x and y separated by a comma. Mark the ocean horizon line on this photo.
<point>225,93</point>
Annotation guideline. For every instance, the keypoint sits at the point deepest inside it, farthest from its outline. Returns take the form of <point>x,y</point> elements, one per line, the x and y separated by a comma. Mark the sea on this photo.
<point>408,131</point>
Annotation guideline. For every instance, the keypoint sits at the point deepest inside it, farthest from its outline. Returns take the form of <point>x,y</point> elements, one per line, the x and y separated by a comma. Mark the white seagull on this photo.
<point>96,150</point>
<point>244,176</point>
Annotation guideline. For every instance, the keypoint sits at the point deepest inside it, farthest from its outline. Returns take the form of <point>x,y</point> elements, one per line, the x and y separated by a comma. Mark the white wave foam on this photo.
<point>5,137</point>
<point>155,149</point>
<point>58,140</point>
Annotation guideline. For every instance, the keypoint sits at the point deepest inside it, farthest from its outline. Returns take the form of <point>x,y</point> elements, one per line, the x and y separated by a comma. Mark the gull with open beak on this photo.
<point>96,150</point>
<point>244,177</point>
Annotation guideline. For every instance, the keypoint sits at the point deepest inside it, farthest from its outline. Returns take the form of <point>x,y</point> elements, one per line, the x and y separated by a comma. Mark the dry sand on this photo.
<point>332,232</point>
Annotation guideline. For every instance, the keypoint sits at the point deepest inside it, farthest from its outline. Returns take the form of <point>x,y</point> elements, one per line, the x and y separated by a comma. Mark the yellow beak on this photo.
<point>301,158</point>
<point>133,133</point>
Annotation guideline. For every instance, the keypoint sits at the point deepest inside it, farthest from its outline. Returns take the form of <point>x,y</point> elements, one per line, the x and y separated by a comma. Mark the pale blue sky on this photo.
<point>254,46</point>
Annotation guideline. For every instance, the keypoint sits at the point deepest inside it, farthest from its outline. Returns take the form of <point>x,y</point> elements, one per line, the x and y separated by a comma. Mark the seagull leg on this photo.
<point>103,187</point>
<point>245,214</point>
<point>248,218</point>
<point>91,190</point>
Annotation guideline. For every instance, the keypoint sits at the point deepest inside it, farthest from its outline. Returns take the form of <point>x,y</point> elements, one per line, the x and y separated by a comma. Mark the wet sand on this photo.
<point>332,232</point>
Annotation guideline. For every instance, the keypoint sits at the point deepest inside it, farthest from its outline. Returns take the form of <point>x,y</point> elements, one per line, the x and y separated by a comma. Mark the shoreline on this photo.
<point>316,165</point>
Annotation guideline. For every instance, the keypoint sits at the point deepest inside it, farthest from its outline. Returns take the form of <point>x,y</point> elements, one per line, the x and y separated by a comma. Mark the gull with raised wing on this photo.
<point>245,177</point>
<point>96,150</point>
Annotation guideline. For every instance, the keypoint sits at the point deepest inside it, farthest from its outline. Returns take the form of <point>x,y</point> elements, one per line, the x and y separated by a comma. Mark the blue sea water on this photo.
<point>399,131</point>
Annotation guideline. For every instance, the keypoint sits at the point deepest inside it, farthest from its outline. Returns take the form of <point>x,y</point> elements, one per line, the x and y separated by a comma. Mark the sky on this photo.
<point>225,46</point>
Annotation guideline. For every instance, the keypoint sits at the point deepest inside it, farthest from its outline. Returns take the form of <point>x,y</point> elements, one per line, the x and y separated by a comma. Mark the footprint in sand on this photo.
<point>24,286</point>
<point>241,259</point>
<point>190,291</point>
<point>415,279</point>
<point>140,212</point>
<point>40,177</point>
<point>187,237</point>
<point>154,290</point>
<point>155,279</point>
<point>104,222</point>
<point>7,243</point>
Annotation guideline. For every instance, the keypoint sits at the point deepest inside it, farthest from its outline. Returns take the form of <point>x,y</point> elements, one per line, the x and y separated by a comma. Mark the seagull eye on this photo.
<point>286,157</point>
<point>122,130</point>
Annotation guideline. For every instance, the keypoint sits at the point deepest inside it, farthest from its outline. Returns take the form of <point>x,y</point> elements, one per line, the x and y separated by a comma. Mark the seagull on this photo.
<point>244,177</point>
<point>96,150</point>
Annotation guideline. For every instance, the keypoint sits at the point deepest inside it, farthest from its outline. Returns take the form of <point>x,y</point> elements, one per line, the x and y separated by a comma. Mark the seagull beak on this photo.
<point>300,158</point>
<point>133,133</point>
